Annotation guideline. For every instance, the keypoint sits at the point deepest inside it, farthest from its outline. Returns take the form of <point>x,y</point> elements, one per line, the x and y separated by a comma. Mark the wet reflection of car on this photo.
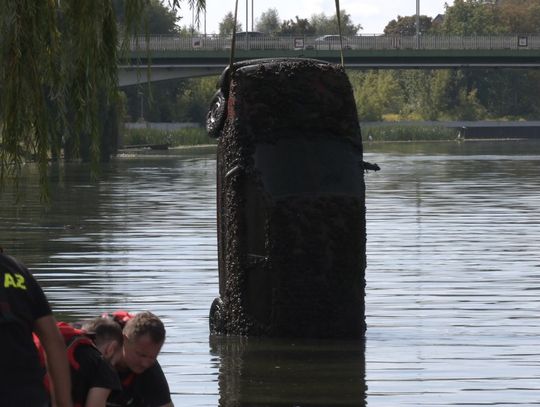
<point>263,372</point>
<point>290,201</point>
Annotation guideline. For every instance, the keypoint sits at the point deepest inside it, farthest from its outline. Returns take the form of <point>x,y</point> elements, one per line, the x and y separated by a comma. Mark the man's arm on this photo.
<point>57,363</point>
<point>95,379</point>
<point>97,397</point>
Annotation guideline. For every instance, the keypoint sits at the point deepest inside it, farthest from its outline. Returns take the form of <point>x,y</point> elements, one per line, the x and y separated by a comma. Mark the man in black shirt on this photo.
<point>24,309</point>
<point>93,374</point>
<point>91,352</point>
<point>143,381</point>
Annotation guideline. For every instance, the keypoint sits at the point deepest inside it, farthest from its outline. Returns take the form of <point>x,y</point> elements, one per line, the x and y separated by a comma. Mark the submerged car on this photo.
<point>290,201</point>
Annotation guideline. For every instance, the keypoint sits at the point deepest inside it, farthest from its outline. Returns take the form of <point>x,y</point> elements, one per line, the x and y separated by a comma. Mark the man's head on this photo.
<point>108,337</point>
<point>144,335</point>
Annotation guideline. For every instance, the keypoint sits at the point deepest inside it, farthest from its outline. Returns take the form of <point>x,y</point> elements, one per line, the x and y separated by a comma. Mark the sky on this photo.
<point>373,15</point>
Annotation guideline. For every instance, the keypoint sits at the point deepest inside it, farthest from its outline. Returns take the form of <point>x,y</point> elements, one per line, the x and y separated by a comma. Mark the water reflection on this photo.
<point>263,372</point>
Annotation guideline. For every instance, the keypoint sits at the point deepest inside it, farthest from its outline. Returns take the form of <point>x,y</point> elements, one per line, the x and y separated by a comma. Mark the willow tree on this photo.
<point>58,64</point>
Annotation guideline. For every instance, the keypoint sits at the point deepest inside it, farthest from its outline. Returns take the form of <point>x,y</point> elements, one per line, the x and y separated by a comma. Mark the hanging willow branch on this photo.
<point>58,64</point>
<point>28,79</point>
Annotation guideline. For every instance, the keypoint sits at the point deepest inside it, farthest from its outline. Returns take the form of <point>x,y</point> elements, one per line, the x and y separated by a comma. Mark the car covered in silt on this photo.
<point>290,201</point>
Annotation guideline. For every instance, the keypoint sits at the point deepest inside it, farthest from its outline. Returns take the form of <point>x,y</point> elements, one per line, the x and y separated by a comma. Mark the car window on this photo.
<point>292,167</point>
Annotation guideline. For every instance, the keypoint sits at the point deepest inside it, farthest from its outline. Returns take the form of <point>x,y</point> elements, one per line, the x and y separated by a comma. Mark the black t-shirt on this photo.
<point>22,302</point>
<point>93,371</point>
<point>149,389</point>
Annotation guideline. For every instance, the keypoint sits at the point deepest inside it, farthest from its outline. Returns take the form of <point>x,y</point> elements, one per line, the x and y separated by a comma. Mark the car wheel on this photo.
<point>216,316</point>
<point>216,114</point>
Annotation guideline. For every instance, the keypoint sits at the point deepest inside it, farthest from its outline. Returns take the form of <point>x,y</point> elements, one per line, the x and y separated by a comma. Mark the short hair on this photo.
<point>103,330</point>
<point>145,323</point>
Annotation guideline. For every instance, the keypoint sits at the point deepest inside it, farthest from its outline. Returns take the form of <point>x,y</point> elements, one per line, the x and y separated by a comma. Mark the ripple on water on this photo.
<point>452,281</point>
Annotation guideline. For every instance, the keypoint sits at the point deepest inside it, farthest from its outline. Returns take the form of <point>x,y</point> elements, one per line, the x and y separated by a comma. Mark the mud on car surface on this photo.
<point>290,199</point>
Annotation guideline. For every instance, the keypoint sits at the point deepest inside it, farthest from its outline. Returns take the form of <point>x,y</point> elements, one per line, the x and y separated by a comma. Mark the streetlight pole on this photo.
<point>252,27</point>
<point>192,22</point>
<point>417,24</point>
<point>247,24</point>
<point>141,110</point>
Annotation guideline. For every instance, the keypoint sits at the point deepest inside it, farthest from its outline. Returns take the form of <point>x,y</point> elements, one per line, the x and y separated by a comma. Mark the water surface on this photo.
<point>452,281</point>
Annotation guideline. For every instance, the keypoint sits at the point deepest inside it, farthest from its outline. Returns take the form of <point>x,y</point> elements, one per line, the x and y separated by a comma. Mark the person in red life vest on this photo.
<point>107,337</point>
<point>24,309</point>
<point>95,377</point>
<point>90,352</point>
<point>143,381</point>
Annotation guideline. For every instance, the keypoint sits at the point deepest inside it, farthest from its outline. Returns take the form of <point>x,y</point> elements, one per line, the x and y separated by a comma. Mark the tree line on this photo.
<point>442,94</point>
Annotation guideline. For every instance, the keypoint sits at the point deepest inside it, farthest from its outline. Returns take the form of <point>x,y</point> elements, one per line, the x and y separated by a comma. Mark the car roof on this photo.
<point>330,36</point>
<point>223,82</point>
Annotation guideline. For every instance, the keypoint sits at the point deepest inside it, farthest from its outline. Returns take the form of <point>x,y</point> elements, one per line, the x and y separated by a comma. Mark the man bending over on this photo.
<point>143,380</point>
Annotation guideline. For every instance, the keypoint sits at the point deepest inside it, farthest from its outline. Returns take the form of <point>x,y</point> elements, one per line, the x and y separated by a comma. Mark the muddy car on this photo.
<point>290,201</point>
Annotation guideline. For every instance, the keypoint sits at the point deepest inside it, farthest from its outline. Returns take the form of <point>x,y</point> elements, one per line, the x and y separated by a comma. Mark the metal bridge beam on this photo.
<point>130,75</point>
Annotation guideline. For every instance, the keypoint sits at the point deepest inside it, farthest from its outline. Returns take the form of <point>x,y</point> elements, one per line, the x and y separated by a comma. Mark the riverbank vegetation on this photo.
<point>408,133</point>
<point>172,138</point>
<point>198,136</point>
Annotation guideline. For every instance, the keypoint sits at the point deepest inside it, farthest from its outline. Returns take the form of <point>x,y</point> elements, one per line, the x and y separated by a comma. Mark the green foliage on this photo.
<point>469,108</point>
<point>407,25</point>
<point>472,17</point>
<point>268,22</point>
<point>322,24</point>
<point>54,56</point>
<point>193,101</point>
<point>301,26</point>
<point>520,16</point>
<point>226,27</point>
<point>376,93</point>
<point>157,18</point>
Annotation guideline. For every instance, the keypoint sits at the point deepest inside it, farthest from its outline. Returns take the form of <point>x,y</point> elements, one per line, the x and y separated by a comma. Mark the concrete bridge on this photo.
<point>173,57</point>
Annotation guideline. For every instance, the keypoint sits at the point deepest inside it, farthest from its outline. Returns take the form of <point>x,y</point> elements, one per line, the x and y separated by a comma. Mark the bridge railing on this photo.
<point>362,42</point>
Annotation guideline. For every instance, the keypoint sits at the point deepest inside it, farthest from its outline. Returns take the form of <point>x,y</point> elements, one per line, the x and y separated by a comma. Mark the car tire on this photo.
<point>216,316</point>
<point>216,114</point>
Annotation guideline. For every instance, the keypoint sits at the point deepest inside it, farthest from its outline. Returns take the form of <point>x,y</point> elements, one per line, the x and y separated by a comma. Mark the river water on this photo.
<point>453,277</point>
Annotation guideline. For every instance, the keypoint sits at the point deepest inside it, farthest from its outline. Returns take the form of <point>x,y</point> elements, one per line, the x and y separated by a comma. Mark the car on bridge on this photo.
<point>256,40</point>
<point>290,201</point>
<point>332,42</point>
<point>243,35</point>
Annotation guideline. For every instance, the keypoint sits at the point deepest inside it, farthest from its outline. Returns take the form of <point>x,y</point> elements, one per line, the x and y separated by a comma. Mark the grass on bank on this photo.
<point>198,136</point>
<point>409,133</point>
<point>174,138</point>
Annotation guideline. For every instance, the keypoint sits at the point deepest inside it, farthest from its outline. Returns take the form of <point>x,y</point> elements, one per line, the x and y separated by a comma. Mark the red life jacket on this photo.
<point>120,316</point>
<point>73,338</point>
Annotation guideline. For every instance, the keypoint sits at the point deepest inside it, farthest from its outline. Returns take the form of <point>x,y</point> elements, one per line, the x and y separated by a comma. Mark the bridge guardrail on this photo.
<point>363,42</point>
